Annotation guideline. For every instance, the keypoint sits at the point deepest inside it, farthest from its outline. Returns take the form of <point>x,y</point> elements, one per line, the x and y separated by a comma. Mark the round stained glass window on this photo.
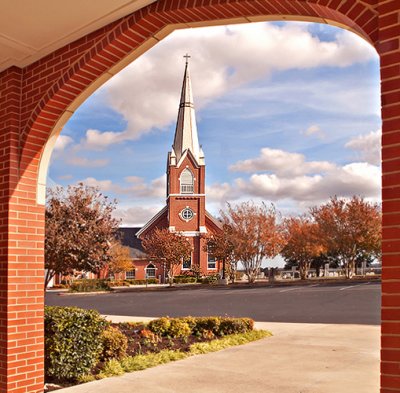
<point>187,214</point>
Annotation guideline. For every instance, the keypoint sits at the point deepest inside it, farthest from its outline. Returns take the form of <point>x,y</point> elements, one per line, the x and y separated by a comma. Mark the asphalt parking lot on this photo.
<point>339,303</point>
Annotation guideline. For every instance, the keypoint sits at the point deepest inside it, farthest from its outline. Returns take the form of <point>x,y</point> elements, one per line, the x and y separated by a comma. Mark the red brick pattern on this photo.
<point>389,51</point>
<point>21,253</point>
<point>33,99</point>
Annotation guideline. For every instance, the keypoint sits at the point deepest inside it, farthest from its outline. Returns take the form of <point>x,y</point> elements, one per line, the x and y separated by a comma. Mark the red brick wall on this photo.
<point>388,48</point>
<point>33,99</point>
<point>21,253</point>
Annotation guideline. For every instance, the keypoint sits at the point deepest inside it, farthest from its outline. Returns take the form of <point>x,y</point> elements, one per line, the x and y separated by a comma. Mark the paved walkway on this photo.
<point>299,358</point>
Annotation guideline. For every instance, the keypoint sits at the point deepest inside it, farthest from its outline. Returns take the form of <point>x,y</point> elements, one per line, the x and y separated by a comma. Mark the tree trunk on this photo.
<point>49,275</point>
<point>170,278</point>
<point>349,270</point>
<point>304,267</point>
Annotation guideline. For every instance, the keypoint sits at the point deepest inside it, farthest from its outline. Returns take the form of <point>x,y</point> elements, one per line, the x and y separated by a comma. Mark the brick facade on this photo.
<point>37,100</point>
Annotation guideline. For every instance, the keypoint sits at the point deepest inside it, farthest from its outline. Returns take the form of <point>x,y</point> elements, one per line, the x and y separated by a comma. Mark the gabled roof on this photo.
<point>128,239</point>
<point>216,222</point>
<point>152,221</point>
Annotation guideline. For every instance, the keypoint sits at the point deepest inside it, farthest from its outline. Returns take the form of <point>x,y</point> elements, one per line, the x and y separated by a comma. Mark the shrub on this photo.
<point>143,282</point>
<point>235,325</point>
<point>160,326</point>
<point>72,341</point>
<point>185,279</point>
<point>191,321</point>
<point>179,328</point>
<point>111,368</point>
<point>149,337</point>
<point>209,324</point>
<point>211,279</point>
<point>90,285</point>
<point>118,283</point>
<point>114,343</point>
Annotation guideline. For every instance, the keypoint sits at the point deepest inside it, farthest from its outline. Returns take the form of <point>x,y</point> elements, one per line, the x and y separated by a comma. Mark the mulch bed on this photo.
<point>142,341</point>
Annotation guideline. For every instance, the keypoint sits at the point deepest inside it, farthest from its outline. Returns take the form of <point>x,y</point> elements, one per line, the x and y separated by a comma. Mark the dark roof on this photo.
<point>128,238</point>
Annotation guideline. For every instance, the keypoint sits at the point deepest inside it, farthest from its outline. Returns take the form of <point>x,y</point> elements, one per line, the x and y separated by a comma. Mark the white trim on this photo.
<point>186,195</point>
<point>214,220</point>
<point>191,263</point>
<point>208,261</point>
<point>185,153</point>
<point>149,223</point>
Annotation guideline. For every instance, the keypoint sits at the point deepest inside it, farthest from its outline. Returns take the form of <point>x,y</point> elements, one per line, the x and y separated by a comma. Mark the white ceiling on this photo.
<point>31,29</point>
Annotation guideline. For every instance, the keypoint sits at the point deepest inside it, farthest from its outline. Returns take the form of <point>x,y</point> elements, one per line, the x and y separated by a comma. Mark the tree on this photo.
<point>302,243</point>
<point>221,246</point>
<point>349,229</point>
<point>79,230</point>
<point>169,248</point>
<point>121,260</point>
<point>256,234</point>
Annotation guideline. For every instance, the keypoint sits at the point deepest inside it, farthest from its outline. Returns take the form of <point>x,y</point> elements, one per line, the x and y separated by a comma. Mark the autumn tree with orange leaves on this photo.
<point>349,229</point>
<point>256,234</point>
<point>302,243</point>
<point>121,260</point>
<point>169,248</point>
<point>221,246</point>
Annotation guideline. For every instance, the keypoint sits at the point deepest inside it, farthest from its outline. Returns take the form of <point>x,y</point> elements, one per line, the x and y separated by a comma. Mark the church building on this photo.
<point>185,210</point>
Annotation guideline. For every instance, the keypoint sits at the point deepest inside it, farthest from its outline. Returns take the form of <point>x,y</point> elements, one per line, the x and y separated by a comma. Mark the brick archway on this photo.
<point>36,101</point>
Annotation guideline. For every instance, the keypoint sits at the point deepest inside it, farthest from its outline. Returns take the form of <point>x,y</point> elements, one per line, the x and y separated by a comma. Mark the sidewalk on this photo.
<point>299,358</point>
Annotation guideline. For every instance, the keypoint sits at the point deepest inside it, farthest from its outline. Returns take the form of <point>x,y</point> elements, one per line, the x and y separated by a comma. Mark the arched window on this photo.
<point>187,181</point>
<point>150,271</point>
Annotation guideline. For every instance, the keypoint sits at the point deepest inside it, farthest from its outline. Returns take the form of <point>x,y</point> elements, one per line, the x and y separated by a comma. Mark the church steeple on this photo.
<point>186,137</point>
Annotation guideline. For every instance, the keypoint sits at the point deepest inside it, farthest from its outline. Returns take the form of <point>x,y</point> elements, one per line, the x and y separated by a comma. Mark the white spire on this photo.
<point>186,137</point>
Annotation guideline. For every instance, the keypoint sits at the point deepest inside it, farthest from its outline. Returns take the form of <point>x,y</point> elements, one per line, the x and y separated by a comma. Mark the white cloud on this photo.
<point>86,162</point>
<point>103,185</point>
<point>65,177</point>
<point>356,178</point>
<point>135,186</point>
<point>315,130</point>
<point>136,215</point>
<point>62,142</point>
<point>147,98</point>
<point>282,163</point>
<point>367,146</point>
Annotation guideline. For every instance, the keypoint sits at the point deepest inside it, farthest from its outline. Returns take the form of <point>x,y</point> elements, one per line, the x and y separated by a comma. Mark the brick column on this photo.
<point>389,33</point>
<point>21,255</point>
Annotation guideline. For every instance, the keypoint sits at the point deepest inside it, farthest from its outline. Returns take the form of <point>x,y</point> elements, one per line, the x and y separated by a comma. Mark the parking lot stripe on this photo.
<point>290,289</point>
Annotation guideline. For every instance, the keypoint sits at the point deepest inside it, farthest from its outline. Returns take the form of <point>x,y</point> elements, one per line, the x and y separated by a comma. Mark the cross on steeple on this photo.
<point>187,57</point>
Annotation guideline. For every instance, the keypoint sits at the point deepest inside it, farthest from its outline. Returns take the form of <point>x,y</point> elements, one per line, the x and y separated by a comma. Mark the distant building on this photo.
<point>185,211</point>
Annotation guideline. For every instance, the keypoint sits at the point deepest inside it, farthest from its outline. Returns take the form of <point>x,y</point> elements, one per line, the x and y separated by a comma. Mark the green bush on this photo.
<point>185,279</point>
<point>206,324</point>
<point>118,283</point>
<point>111,368</point>
<point>143,282</point>
<point>160,326</point>
<point>72,341</point>
<point>211,279</point>
<point>191,321</point>
<point>114,343</point>
<point>90,285</point>
<point>179,328</point>
<point>235,325</point>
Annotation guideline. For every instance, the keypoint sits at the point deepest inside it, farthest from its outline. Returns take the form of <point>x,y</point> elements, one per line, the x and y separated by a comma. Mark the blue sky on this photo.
<point>286,112</point>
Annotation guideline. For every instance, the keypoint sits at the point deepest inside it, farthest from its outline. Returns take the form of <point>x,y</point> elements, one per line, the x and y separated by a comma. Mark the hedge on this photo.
<point>73,342</point>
